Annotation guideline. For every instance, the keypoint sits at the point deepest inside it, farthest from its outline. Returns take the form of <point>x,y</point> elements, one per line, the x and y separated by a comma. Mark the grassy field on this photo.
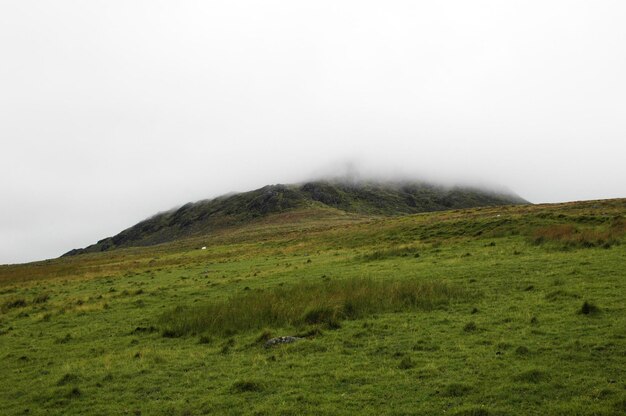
<point>493,311</point>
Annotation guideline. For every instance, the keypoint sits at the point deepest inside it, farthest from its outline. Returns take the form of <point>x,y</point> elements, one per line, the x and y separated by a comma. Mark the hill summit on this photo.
<point>370,198</point>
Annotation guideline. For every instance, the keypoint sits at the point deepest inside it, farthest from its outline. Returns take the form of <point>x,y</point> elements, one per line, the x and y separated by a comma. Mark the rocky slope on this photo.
<point>369,198</point>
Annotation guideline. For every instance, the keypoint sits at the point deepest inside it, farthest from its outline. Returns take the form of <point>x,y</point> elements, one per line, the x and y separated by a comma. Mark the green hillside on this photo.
<point>366,198</point>
<point>503,310</point>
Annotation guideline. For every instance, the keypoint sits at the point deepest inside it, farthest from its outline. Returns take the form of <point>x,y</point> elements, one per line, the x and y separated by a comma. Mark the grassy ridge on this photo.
<point>321,303</point>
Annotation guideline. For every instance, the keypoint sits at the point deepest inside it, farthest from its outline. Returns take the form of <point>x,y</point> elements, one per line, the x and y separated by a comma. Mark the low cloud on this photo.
<point>107,117</point>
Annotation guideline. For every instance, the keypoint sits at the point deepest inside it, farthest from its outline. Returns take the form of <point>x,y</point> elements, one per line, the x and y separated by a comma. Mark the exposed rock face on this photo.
<point>280,340</point>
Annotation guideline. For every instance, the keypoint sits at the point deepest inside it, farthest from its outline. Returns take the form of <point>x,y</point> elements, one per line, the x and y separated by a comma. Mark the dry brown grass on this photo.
<point>572,236</point>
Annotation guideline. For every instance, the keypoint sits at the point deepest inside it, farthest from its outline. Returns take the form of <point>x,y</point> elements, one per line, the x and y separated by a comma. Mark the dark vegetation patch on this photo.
<point>204,340</point>
<point>226,346</point>
<point>406,363</point>
<point>323,303</point>
<point>144,330</point>
<point>456,389</point>
<point>326,315</point>
<point>391,253</point>
<point>243,386</point>
<point>168,333</point>
<point>588,308</point>
<point>620,405</point>
<point>532,376</point>
<point>68,379</point>
<point>74,393</point>
<point>470,327</point>
<point>13,304</point>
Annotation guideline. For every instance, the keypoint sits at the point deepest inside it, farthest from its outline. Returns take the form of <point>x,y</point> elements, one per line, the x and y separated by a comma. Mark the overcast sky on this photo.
<point>113,110</point>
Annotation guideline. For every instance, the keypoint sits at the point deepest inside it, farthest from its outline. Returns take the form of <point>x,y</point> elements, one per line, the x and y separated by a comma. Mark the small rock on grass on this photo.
<point>280,340</point>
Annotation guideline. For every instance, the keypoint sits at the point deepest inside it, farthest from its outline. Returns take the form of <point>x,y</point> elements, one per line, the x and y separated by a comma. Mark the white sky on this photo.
<point>113,110</point>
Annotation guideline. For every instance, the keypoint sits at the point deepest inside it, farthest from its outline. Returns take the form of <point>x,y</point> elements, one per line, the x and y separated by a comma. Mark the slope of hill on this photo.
<point>368,198</point>
<point>485,311</point>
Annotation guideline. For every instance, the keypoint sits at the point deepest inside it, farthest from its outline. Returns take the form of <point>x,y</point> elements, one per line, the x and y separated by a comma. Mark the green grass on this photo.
<point>321,303</point>
<point>507,326</point>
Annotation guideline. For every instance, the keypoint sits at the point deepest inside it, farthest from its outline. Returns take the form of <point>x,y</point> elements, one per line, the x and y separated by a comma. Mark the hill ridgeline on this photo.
<point>366,198</point>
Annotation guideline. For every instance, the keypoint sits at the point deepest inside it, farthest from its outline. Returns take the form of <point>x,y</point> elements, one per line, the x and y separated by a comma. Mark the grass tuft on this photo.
<point>74,393</point>
<point>532,376</point>
<point>204,340</point>
<point>322,303</point>
<point>456,389</point>
<point>620,404</point>
<point>264,337</point>
<point>13,304</point>
<point>588,308</point>
<point>243,386</point>
<point>470,327</point>
<point>41,298</point>
<point>67,379</point>
<point>326,315</point>
<point>406,363</point>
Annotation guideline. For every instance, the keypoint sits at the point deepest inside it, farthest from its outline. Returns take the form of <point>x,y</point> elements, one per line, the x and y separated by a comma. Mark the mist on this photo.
<point>111,111</point>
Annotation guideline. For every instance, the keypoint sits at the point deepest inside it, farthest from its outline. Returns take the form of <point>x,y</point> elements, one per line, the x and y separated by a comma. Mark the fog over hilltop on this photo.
<point>111,110</point>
